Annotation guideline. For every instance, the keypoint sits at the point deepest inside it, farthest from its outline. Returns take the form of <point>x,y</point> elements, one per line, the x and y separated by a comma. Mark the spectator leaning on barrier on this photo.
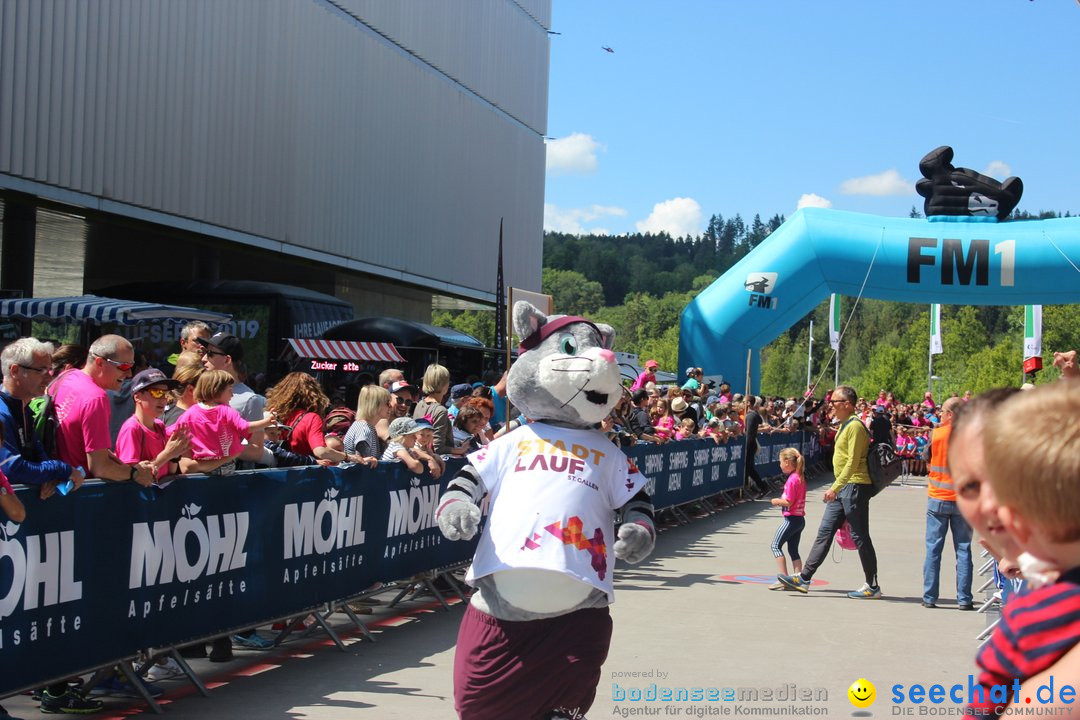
<point>299,402</point>
<point>143,436</point>
<point>847,499</point>
<point>216,428</point>
<point>26,367</point>
<point>943,514</point>
<point>372,406</point>
<point>83,410</point>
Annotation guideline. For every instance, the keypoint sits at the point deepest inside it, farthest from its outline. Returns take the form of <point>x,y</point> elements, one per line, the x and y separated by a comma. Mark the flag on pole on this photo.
<point>935,329</point>
<point>500,304</point>
<point>1032,331</point>
<point>834,321</point>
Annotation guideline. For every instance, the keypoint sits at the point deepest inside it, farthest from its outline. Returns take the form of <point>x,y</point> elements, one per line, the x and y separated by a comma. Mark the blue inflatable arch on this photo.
<point>949,260</point>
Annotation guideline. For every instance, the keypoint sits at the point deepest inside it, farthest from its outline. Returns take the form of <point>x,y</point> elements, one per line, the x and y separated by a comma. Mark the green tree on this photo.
<point>478,323</point>
<point>574,294</point>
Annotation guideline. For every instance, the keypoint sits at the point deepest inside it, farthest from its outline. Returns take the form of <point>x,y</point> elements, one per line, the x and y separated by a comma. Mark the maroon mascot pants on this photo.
<point>528,669</point>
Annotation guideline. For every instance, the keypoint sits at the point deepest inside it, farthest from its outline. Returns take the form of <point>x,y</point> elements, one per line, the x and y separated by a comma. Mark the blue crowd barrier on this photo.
<point>93,577</point>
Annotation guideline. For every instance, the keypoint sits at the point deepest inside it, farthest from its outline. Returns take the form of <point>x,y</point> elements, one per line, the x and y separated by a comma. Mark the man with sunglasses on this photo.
<point>83,411</point>
<point>847,499</point>
<point>27,366</point>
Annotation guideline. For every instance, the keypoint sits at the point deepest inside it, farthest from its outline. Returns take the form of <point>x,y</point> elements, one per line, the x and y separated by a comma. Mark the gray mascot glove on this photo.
<point>458,516</point>
<point>635,542</point>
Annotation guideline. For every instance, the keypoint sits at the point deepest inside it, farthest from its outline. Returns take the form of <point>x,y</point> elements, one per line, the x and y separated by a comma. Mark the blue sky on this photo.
<point>717,106</point>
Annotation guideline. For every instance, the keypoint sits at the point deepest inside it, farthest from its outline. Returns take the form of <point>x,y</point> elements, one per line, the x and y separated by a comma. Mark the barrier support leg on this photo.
<point>175,655</point>
<point>454,585</point>
<point>344,607</point>
<point>329,630</point>
<point>137,683</point>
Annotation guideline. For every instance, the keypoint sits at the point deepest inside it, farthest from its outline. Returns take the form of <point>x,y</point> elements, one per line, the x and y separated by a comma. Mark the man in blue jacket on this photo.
<point>27,370</point>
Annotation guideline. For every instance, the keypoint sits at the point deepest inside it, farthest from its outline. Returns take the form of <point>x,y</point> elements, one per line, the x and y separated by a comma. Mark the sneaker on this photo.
<point>930,605</point>
<point>965,606</point>
<point>866,593</point>
<point>254,641</point>
<point>794,582</point>
<point>779,586</point>
<point>119,687</point>
<point>71,702</point>
<point>163,670</point>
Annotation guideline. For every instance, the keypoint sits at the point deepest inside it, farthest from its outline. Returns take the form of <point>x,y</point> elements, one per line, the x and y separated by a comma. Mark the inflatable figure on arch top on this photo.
<point>960,254</point>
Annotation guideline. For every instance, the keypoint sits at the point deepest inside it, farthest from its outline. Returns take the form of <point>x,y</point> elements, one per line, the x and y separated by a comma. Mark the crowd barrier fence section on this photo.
<point>93,577</point>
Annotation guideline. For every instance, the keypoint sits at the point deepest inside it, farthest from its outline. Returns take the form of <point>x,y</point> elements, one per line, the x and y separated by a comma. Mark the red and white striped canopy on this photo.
<point>315,349</point>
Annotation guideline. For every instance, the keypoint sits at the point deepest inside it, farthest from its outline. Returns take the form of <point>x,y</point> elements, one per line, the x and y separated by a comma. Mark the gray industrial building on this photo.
<point>363,148</point>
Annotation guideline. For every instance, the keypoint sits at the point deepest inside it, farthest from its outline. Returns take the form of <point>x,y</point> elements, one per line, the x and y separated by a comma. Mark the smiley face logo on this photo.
<point>862,693</point>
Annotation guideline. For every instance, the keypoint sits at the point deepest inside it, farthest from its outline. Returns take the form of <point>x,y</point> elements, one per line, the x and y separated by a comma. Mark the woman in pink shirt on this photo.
<point>143,435</point>
<point>217,431</point>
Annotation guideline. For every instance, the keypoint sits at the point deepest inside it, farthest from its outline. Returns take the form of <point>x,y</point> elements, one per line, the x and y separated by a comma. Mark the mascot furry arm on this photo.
<point>542,568</point>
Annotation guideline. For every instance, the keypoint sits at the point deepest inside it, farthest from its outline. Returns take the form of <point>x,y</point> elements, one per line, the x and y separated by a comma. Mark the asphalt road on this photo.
<point>697,614</point>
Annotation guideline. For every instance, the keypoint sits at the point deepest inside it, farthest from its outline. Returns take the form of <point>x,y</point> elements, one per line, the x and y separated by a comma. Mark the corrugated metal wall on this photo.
<point>393,133</point>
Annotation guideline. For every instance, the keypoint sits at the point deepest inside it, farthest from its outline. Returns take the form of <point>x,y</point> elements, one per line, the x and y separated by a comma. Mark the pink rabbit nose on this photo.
<point>607,355</point>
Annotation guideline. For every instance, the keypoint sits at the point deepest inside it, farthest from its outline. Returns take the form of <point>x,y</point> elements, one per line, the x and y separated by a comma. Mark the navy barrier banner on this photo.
<point>112,568</point>
<point>94,576</point>
<point>767,459</point>
<point>684,471</point>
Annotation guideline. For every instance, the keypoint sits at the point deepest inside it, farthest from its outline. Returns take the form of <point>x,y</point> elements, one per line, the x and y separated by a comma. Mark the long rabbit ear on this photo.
<point>527,319</point>
<point>607,335</point>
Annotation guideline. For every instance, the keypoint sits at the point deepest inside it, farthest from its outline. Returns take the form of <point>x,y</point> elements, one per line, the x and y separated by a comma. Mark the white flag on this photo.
<point>834,321</point>
<point>935,329</point>
<point>1032,331</point>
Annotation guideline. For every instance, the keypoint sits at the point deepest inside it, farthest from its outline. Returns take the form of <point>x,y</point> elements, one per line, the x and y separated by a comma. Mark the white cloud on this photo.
<point>886,183</point>
<point>574,153</point>
<point>812,200</point>
<point>997,169</point>
<point>677,217</point>
<point>573,220</point>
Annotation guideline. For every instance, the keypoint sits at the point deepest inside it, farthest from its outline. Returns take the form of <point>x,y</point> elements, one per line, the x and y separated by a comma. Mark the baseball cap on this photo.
<point>651,364</point>
<point>460,390</point>
<point>403,426</point>
<point>152,376</point>
<point>226,342</point>
<point>424,424</point>
<point>400,385</point>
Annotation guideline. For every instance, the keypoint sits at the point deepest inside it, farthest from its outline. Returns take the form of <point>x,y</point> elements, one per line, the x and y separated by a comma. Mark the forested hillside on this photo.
<point>640,284</point>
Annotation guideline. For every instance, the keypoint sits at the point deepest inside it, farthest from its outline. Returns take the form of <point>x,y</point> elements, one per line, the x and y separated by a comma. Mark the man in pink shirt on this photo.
<point>83,410</point>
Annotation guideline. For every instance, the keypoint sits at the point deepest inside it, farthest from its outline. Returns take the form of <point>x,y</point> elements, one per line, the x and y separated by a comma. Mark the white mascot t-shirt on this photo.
<point>553,492</point>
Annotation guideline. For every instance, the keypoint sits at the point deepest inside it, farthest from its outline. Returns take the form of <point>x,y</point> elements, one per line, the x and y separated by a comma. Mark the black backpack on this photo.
<point>882,462</point>
<point>884,466</point>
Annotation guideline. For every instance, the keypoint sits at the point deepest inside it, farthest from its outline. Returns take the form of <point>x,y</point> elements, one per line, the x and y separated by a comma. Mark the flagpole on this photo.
<point>810,355</point>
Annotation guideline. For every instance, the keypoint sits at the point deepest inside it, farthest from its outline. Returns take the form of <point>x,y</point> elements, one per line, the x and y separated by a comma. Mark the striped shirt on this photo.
<point>1036,629</point>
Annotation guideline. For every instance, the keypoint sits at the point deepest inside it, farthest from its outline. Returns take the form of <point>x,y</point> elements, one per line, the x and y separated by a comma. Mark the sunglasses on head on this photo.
<point>122,366</point>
